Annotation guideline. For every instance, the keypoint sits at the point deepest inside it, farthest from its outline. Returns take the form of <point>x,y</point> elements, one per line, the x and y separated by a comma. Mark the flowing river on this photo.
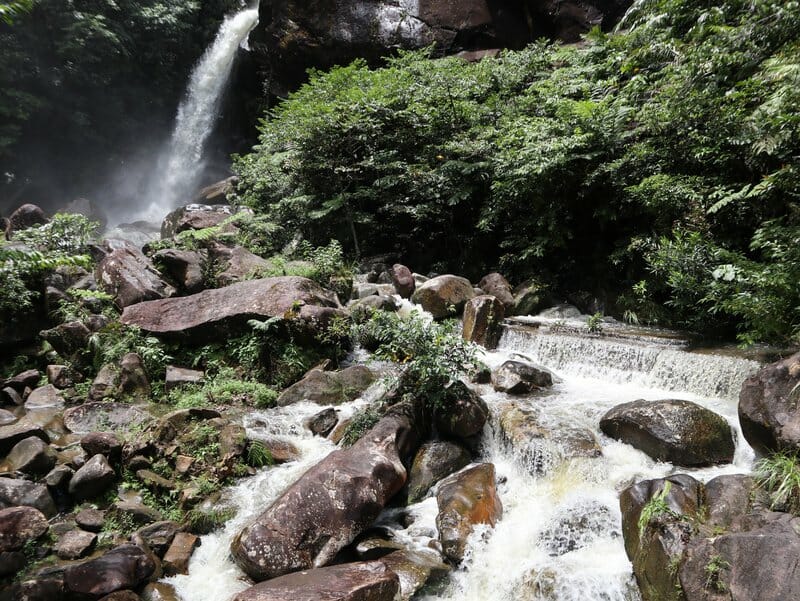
<point>560,536</point>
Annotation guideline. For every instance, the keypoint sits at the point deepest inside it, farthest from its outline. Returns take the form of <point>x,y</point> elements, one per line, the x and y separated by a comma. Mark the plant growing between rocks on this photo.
<point>779,475</point>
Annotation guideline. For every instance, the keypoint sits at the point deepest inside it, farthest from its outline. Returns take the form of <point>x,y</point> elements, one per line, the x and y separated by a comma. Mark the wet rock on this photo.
<point>444,296</point>
<point>129,276</point>
<point>402,280</point>
<point>91,520</point>
<point>517,377</point>
<point>367,581</point>
<point>414,569</point>
<point>182,376</point>
<point>11,562</point>
<point>496,285</point>
<point>768,409</point>
<point>19,525</point>
<point>483,317</point>
<point>92,479</point>
<point>32,456</point>
<point>159,535</point>
<point>215,312</point>
<point>44,398</point>
<point>281,451</point>
<point>183,267</point>
<point>333,502</point>
<point>434,461</point>
<point>21,492</point>
<point>62,376</point>
<point>466,499</point>
<point>195,217</point>
<point>577,526</point>
<point>464,415</point>
<point>677,431</point>
<point>328,387</point>
<point>133,382</point>
<point>122,596</point>
<point>159,591</point>
<point>102,443</point>
<point>23,217</point>
<point>729,499</point>
<point>26,379</point>
<point>99,416</point>
<point>323,422</point>
<point>75,544</point>
<point>125,567</point>
<point>176,559</point>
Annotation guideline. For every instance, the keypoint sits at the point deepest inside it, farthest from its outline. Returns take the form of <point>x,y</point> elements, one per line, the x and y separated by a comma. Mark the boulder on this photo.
<point>444,296</point>
<point>12,562</point>
<point>323,422</point>
<point>137,512</point>
<point>464,415</point>
<point>414,568</point>
<point>21,492</point>
<point>331,504</point>
<point>176,559</point>
<point>45,397</point>
<point>92,479</point>
<point>362,309</point>
<point>677,431</point>
<point>235,264</point>
<point>183,267</point>
<point>62,376</point>
<point>24,217</point>
<point>528,298</point>
<point>68,338</point>
<point>182,376</point>
<point>366,581</point>
<point>59,477</point>
<point>91,519</point>
<point>105,384</point>
<point>7,418</point>
<point>11,434</point>
<point>218,312</point>
<point>518,377</point>
<point>195,217</point>
<point>159,535</point>
<point>466,499</point>
<point>483,318</point>
<point>497,286</point>
<point>328,387</point>
<point>102,443</point>
<point>19,525</point>
<point>123,568</point>
<point>129,276</point>
<point>32,456</point>
<point>93,417</point>
<point>26,379</point>
<point>434,461</point>
<point>39,589</point>
<point>768,409</point>
<point>133,382</point>
<point>281,451</point>
<point>402,280</point>
<point>75,544</point>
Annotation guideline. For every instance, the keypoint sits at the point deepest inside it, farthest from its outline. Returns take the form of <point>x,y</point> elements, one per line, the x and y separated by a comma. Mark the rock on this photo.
<point>232,440</point>
<point>328,387</point>
<point>414,569</point>
<point>444,296</point>
<point>159,535</point>
<point>561,311</point>
<point>466,499</point>
<point>159,591</point>
<point>768,408</point>
<point>90,519</point>
<point>402,280</point>
<point>181,376</point>
<point>494,284</point>
<point>218,190</point>
<point>125,567</point>
<point>7,418</point>
<point>464,415</point>
<point>367,581</point>
<point>10,435</point>
<point>680,432</point>
<point>434,461</point>
<point>236,264</point>
<point>68,338</point>
<point>183,463</point>
<point>218,312</point>
<point>102,443</point>
<point>92,479</point>
<point>32,456</point>
<point>21,492</point>
<point>323,422</point>
<point>517,377</point>
<point>577,526</point>
<point>19,525</point>
<point>329,505</point>
<point>729,498</point>
<point>362,309</point>
<point>195,217</point>
<point>62,376</point>
<point>176,560</point>
<point>122,596</point>
<point>133,382</point>
<point>152,480</point>
<point>281,451</point>
<point>129,276</point>
<point>183,267</point>
<point>44,398</point>
<point>528,298</point>
<point>105,385</point>
<point>12,562</point>
<point>24,217</point>
<point>483,318</point>
<point>26,379</point>
<point>75,544</point>
<point>12,396</point>
<point>59,477</point>
<point>91,417</point>
<point>39,589</point>
<point>137,512</point>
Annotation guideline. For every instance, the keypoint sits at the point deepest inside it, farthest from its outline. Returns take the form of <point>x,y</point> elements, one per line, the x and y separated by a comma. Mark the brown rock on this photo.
<point>93,417</point>
<point>403,280</point>
<point>496,285</point>
<point>21,492</point>
<point>444,296</point>
<point>62,376</point>
<point>483,317</point>
<point>32,456</point>
<point>182,376</point>
<point>184,267</point>
<point>518,377</point>
<point>19,525</point>
<point>323,422</point>
<point>75,544</point>
<point>123,568</point>
<point>44,398</point>
<point>195,217</point>
<point>102,443</point>
<point>129,276</point>
<point>10,435</point>
<point>434,461</point>
<point>133,382</point>
<point>464,415</point>
<point>91,520</point>
<point>159,535</point>
<point>328,387</point>
<point>237,264</point>
<point>176,560</point>
<point>92,479</point>
<point>24,217</point>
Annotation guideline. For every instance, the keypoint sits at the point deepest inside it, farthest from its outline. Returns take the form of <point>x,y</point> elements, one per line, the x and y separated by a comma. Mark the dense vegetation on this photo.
<point>656,167</point>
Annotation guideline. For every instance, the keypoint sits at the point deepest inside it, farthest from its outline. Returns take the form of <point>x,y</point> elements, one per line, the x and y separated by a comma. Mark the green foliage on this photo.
<point>779,475</point>
<point>258,454</point>
<point>361,423</point>
<point>713,570</point>
<point>595,323</point>
<point>225,388</point>
<point>11,10</point>
<point>654,508</point>
<point>115,340</point>
<point>203,521</point>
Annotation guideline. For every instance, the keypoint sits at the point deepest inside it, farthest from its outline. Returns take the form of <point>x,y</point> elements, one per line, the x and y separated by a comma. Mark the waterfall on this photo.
<point>181,164</point>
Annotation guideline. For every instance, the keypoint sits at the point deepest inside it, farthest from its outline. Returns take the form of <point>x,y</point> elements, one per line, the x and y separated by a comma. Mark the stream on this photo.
<point>560,536</point>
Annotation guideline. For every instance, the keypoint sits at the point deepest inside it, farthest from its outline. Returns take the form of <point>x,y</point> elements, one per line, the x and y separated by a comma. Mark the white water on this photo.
<point>181,164</point>
<point>560,535</point>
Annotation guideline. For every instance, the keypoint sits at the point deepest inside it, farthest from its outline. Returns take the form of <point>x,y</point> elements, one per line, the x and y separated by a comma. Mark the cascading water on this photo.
<point>560,536</point>
<point>181,164</point>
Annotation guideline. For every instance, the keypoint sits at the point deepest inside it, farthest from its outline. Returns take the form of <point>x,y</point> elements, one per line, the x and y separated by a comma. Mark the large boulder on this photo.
<point>463,415</point>
<point>92,479</point>
<point>497,286</point>
<point>768,407</point>
<point>434,461</point>
<point>402,280</point>
<point>466,499</point>
<point>129,276</point>
<point>24,217</point>
<point>215,312</point>
<point>19,525</point>
<point>328,387</point>
<point>183,267</point>
<point>483,318</point>
<point>106,415</point>
<point>331,504</point>
<point>123,568</point>
<point>367,581</point>
<point>444,296</point>
<point>32,456</point>
<point>11,434</point>
<point>235,263</point>
<point>681,432</point>
<point>21,492</point>
<point>519,377</point>
<point>195,217</point>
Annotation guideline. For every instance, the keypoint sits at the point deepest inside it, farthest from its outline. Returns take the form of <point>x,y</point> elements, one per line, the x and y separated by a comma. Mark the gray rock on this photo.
<point>45,397</point>
<point>323,422</point>
<point>159,535</point>
<point>22,492</point>
<point>32,456</point>
<point>19,525</point>
<point>7,418</point>
<point>434,461</point>
<point>105,385</point>
<point>59,477</point>
<point>75,544</point>
<point>129,276</point>
<point>123,568</point>
<point>327,387</point>
<point>91,520</point>
<point>62,376</point>
<point>184,267</point>
<point>10,435</point>
<point>182,376</point>
<point>92,479</point>
<point>133,382</point>
<point>444,296</point>
<point>99,416</point>
<point>517,377</point>
<point>497,286</point>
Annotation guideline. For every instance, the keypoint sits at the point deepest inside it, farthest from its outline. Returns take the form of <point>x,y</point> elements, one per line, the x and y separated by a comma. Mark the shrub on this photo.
<point>779,475</point>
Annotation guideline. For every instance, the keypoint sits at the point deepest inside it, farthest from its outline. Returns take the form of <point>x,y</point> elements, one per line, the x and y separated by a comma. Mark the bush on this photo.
<point>779,475</point>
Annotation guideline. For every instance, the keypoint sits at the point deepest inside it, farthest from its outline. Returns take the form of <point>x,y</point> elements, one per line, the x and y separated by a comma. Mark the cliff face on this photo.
<point>294,35</point>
